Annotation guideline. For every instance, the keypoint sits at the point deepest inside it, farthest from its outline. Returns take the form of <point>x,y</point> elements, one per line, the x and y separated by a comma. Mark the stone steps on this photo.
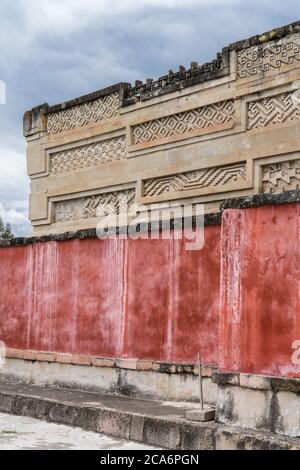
<point>156,423</point>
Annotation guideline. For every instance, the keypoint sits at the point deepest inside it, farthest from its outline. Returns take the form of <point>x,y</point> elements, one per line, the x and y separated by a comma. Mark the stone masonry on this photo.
<point>225,129</point>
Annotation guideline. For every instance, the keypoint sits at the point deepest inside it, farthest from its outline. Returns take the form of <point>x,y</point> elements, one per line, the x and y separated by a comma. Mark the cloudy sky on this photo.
<point>55,50</point>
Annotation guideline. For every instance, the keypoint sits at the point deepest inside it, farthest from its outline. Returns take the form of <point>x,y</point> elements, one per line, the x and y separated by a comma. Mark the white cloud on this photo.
<point>16,217</point>
<point>14,190</point>
<point>69,15</point>
<point>13,179</point>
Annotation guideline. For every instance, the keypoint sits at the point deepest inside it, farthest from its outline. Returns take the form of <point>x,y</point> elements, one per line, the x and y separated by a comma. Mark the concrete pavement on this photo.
<point>23,433</point>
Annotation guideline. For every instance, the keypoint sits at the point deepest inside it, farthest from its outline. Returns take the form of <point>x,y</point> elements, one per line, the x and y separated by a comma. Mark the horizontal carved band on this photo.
<point>94,206</point>
<point>88,155</point>
<point>269,56</point>
<point>280,177</point>
<point>193,180</point>
<point>274,110</point>
<point>186,122</point>
<point>83,114</point>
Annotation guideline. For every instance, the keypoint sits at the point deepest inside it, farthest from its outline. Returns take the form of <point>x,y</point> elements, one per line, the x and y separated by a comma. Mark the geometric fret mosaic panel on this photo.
<point>88,155</point>
<point>273,110</point>
<point>83,114</point>
<point>209,177</point>
<point>186,122</point>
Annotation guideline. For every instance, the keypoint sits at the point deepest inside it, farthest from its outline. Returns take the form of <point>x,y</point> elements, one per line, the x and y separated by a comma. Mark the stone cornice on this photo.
<point>209,219</point>
<point>174,81</point>
<point>259,200</point>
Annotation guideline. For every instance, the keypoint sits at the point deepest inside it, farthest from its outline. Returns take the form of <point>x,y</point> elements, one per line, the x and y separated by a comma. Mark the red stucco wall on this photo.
<point>260,297</point>
<point>152,299</point>
<point>145,299</point>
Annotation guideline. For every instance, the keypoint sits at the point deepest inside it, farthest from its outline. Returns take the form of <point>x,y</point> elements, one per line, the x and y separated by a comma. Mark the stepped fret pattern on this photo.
<point>87,156</point>
<point>280,177</point>
<point>274,110</point>
<point>267,57</point>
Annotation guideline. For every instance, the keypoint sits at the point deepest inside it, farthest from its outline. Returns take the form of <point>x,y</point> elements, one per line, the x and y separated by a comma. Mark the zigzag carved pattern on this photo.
<point>269,56</point>
<point>83,114</point>
<point>274,110</point>
<point>182,123</point>
<point>217,176</point>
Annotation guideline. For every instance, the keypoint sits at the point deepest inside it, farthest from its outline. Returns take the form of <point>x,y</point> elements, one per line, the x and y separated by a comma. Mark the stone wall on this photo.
<point>138,299</point>
<point>153,300</point>
<point>224,129</point>
<point>259,306</point>
<point>129,316</point>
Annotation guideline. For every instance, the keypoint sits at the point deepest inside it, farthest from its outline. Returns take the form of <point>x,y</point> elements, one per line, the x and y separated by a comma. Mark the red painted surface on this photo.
<point>145,299</point>
<point>260,298</point>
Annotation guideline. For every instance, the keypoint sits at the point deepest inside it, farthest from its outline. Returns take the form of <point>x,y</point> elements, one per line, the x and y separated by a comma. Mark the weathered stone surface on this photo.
<point>243,407</point>
<point>259,404</point>
<point>6,403</point>
<point>145,421</point>
<point>65,413</point>
<point>225,129</point>
<point>201,437</point>
<point>105,376</point>
<point>114,423</point>
<point>209,219</point>
<point>207,414</point>
<point>255,381</point>
<point>261,200</point>
<point>162,432</point>
<point>235,439</point>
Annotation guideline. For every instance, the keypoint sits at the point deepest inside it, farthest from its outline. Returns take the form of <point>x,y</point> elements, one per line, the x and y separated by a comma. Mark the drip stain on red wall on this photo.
<point>237,300</point>
<point>260,297</point>
<point>145,299</point>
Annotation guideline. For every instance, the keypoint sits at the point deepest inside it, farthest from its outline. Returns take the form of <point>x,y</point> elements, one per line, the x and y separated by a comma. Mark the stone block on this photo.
<point>81,360</point>
<point>162,433</point>
<point>207,414</point>
<point>114,423</point>
<point>103,362</point>
<point>255,381</point>
<point>64,358</point>
<point>288,414</point>
<point>144,365</point>
<point>136,428</point>
<point>24,406</point>
<point>197,437</point>
<point>14,353</point>
<point>45,356</point>
<point>240,439</point>
<point>127,364</point>
<point>29,355</point>
<point>5,403</point>
<point>244,407</point>
<point>65,414</point>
